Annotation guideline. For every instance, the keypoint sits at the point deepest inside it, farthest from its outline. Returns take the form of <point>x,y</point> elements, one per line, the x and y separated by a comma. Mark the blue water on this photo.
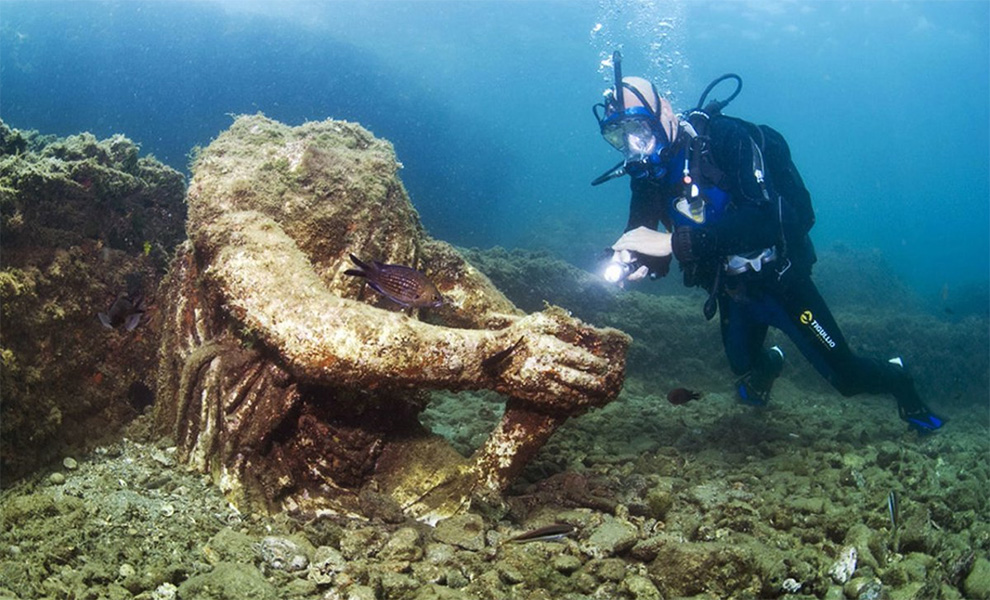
<point>885,104</point>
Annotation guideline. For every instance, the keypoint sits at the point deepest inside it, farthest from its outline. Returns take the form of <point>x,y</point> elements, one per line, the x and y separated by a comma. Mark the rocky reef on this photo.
<point>82,221</point>
<point>297,387</point>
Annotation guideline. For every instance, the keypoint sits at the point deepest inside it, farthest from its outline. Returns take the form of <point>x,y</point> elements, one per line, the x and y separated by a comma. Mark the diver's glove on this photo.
<point>691,244</point>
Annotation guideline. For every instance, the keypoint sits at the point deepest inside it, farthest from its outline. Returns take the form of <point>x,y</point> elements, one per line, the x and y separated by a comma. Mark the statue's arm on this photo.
<point>270,288</point>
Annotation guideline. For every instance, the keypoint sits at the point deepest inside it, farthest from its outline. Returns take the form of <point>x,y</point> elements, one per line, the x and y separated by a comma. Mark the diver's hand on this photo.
<point>644,241</point>
<point>639,273</point>
<point>538,358</point>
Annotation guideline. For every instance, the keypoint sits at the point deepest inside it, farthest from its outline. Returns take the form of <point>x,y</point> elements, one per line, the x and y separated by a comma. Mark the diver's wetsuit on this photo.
<point>741,218</point>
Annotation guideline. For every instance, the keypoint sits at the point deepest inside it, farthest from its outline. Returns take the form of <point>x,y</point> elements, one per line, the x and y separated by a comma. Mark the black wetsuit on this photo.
<point>744,217</point>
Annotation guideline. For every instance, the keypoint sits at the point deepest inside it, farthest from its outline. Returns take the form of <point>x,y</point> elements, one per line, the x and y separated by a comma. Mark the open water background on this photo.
<point>886,105</point>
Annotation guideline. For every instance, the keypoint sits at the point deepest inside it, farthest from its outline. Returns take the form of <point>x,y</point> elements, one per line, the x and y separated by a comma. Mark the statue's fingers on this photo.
<point>575,380</point>
<point>580,359</point>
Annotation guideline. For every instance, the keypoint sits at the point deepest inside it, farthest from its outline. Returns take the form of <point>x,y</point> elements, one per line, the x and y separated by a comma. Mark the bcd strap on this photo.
<point>759,174</point>
<point>703,166</point>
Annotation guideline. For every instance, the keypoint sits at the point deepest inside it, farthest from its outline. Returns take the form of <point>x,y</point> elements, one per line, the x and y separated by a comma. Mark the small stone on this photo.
<point>648,549</point>
<point>360,592</point>
<point>165,591</point>
<point>167,510</point>
<point>977,583</point>
<point>456,579</point>
<point>126,571</point>
<point>283,554</point>
<point>300,588</point>
<point>887,453</point>
<point>464,531</point>
<point>659,501</point>
<point>791,585</point>
<point>402,545</point>
<point>360,543</point>
<point>843,568</point>
<point>641,588</point>
<point>510,574</point>
<point>70,463</point>
<point>439,554</point>
<point>612,537</point>
<point>566,563</point>
<point>56,478</point>
<point>162,458</point>
<point>863,588</point>
<point>327,562</point>
<point>611,569</point>
<point>834,593</point>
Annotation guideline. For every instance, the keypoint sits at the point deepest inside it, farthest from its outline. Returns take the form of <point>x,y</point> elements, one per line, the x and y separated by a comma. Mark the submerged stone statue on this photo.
<point>296,386</point>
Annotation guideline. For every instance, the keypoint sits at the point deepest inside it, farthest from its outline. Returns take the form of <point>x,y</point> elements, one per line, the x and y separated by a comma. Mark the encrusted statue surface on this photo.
<point>298,387</point>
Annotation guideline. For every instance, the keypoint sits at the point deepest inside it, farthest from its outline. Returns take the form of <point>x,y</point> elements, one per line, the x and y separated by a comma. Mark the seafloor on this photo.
<point>705,500</point>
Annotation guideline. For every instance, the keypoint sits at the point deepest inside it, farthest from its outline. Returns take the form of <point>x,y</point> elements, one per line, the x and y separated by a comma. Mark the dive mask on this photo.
<point>631,131</point>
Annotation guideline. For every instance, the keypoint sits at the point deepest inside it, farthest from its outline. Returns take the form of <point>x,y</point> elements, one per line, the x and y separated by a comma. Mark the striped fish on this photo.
<point>550,533</point>
<point>403,285</point>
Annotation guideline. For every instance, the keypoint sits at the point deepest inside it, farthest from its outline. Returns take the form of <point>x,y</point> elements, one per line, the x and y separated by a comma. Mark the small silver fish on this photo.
<point>550,533</point>
<point>126,310</point>
<point>894,508</point>
<point>403,285</point>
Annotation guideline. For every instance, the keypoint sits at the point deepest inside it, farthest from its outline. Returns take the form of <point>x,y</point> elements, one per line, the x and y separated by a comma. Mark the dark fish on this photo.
<point>493,362</point>
<point>403,285</point>
<point>550,533</point>
<point>682,396</point>
<point>894,508</point>
<point>126,310</point>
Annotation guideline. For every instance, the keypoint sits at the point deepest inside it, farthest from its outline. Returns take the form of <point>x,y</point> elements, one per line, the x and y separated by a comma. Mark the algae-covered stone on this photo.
<point>402,545</point>
<point>326,563</point>
<point>659,501</point>
<point>284,553</point>
<point>641,588</point>
<point>977,583</point>
<point>464,531</point>
<point>612,537</point>
<point>566,563</point>
<point>433,591</point>
<point>863,539</point>
<point>228,581</point>
<point>229,545</point>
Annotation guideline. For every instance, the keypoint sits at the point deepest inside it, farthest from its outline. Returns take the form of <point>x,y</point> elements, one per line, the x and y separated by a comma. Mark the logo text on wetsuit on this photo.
<point>809,319</point>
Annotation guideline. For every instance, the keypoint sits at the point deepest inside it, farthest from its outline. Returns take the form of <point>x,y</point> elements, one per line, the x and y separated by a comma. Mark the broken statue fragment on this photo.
<point>298,388</point>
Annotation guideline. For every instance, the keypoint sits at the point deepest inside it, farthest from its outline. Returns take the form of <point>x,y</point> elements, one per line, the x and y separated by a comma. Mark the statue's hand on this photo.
<point>556,362</point>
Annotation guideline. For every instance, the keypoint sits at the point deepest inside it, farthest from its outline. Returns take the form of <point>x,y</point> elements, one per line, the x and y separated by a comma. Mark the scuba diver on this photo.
<point>736,215</point>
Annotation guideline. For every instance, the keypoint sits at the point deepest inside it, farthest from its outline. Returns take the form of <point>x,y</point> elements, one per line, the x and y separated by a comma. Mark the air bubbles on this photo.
<point>654,33</point>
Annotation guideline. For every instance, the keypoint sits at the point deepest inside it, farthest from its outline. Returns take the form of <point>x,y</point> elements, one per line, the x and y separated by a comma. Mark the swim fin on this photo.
<point>912,410</point>
<point>753,388</point>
